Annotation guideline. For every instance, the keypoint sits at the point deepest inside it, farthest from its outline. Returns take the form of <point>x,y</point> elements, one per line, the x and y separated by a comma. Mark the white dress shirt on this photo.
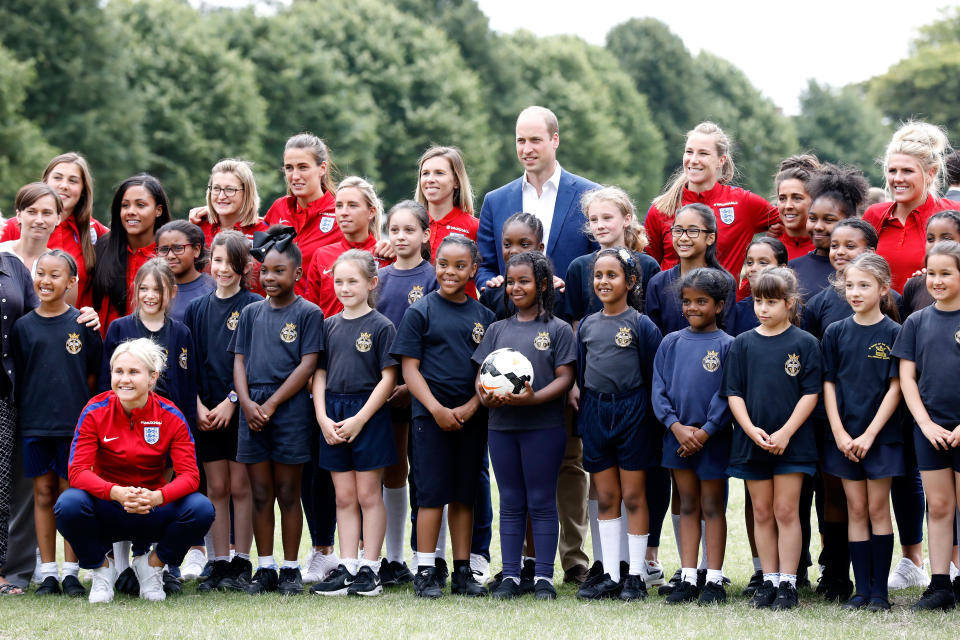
<point>542,205</point>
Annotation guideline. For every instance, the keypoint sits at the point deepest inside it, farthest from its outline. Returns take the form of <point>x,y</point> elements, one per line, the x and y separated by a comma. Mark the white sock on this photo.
<point>442,536</point>
<point>610,542</point>
<point>638,552</point>
<point>593,510</point>
<point>266,562</point>
<point>624,533</point>
<point>244,556</point>
<point>232,554</point>
<point>703,545</point>
<point>71,569</point>
<point>715,576</point>
<point>675,517</point>
<point>772,577</point>
<point>221,558</point>
<point>515,579</point>
<point>688,575</point>
<point>48,569</point>
<point>208,543</point>
<point>790,578</point>
<point>395,501</point>
<point>756,565</point>
<point>425,559</point>
<point>291,564</point>
<point>351,564</point>
<point>121,555</point>
<point>373,564</point>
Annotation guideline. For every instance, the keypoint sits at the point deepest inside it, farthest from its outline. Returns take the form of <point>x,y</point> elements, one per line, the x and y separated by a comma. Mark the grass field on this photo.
<point>398,614</point>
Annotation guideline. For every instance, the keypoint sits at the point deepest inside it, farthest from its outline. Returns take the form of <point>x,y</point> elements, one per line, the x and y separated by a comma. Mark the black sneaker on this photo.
<point>127,583</point>
<point>544,590</point>
<point>668,588</point>
<point>425,583</point>
<point>594,575</point>
<point>786,597</point>
<point>506,590</point>
<point>239,577</point>
<point>365,583</point>
<point>221,570</point>
<point>290,582</point>
<point>764,596</point>
<point>878,604</point>
<point>463,583</point>
<point>603,588</point>
<point>633,588</point>
<point>712,593</point>
<point>756,581</point>
<point>171,584</point>
<point>803,579</point>
<point>934,598</point>
<point>701,578</point>
<point>49,587</point>
<point>336,584</point>
<point>683,592</point>
<point>394,573</point>
<point>71,587</point>
<point>956,588</point>
<point>442,573</point>
<point>855,603</point>
<point>527,573</point>
<point>263,581</point>
<point>838,590</point>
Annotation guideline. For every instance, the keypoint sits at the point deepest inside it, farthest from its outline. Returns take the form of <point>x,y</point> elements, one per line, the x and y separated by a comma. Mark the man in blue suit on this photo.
<point>553,195</point>
<point>545,190</point>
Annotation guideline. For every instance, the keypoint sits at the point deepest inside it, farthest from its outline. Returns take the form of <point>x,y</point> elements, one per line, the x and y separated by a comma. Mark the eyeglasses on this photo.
<point>177,249</point>
<point>692,232</point>
<point>216,189</point>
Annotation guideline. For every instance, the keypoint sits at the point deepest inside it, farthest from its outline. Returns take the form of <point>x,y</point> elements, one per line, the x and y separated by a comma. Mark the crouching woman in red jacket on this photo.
<point>118,491</point>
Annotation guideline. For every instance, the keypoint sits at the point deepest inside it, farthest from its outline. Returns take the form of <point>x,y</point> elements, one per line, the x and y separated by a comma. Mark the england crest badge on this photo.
<point>151,435</point>
<point>726,214</point>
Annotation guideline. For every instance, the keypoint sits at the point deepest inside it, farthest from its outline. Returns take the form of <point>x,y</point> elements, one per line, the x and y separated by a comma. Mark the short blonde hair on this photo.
<point>926,143</point>
<point>370,195</point>
<point>250,204</point>
<point>634,236</point>
<point>148,352</point>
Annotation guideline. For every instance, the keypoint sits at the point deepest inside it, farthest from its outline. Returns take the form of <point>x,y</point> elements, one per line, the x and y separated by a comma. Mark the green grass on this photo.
<point>398,614</point>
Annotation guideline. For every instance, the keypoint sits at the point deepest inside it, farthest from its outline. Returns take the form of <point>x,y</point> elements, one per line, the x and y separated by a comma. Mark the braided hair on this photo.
<point>631,270</point>
<point>543,280</point>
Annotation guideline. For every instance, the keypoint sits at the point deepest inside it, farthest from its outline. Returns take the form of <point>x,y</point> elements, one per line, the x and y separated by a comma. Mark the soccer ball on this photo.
<point>505,371</point>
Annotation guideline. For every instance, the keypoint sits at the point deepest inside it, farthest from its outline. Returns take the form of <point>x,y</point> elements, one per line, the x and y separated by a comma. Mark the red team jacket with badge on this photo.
<point>111,448</point>
<point>316,226</point>
<point>456,223</point>
<point>319,278</point>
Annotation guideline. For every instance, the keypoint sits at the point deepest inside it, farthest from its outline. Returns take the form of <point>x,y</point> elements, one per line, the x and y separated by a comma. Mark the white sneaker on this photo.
<point>101,583</point>
<point>193,564</point>
<point>150,578</point>
<point>906,574</point>
<point>319,566</point>
<point>654,577</point>
<point>480,567</point>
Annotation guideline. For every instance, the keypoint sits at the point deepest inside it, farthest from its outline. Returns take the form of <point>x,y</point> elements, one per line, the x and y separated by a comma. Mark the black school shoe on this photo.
<point>336,584</point>
<point>878,604</point>
<point>127,583</point>
<point>683,592</point>
<point>633,588</point>
<point>263,581</point>
<point>442,573</point>
<point>171,584</point>
<point>221,570</point>
<point>290,582</point>
<point>544,590</point>
<point>836,589</point>
<point>527,574</point>
<point>935,598</point>
<point>787,597</point>
<point>506,590</point>
<point>756,581</point>
<point>605,587</point>
<point>239,577</point>
<point>463,583</point>
<point>49,587</point>
<point>71,587</point>
<point>394,573</point>
<point>712,593</point>
<point>594,575</point>
<point>855,603</point>
<point>764,596</point>
<point>668,588</point>
<point>425,583</point>
<point>365,583</point>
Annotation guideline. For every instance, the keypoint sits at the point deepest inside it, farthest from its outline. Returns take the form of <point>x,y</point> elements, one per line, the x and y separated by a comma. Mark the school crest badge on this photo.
<point>956,336</point>
<point>623,338</point>
<point>233,320</point>
<point>151,435</point>
<point>289,332</point>
<point>477,332</point>
<point>711,361</point>
<point>326,223</point>
<point>73,343</point>
<point>879,351</point>
<point>727,214</point>
<point>182,360</point>
<point>364,342</point>
<point>792,365</point>
<point>416,292</point>
<point>542,341</point>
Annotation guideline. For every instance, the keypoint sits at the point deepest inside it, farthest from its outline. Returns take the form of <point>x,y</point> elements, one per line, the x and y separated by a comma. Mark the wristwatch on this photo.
<point>232,396</point>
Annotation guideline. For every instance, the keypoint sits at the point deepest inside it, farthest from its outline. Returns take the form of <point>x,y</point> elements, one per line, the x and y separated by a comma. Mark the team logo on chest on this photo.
<point>792,365</point>
<point>289,332</point>
<point>956,336</point>
<point>151,435</point>
<point>711,361</point>
<point>182,360</point>
<point>623,338</point>
<point>477,332</point>
<point>415,294</point>
<point>364,342</point>
<point>542,341</point>
<point>233,320</point>
<point>326,223</point>
<point>73,343</point>
<point>727,214</point>
<point>879,351</point>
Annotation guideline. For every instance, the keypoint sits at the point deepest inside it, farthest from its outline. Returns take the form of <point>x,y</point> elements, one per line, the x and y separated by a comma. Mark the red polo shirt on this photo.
<point>904,245</point>
<point>316,225</point>
<point>455,223</point>
<point>318,288</point>
<point>211,229</point>
<point>135,260</point>
<point>740,215</point>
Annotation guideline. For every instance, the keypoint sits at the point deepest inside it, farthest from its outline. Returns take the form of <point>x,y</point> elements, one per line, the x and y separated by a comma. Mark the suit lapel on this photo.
<point>565,194</point>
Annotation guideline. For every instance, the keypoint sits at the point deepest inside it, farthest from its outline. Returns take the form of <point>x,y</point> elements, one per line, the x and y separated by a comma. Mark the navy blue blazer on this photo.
<point>567,239</point>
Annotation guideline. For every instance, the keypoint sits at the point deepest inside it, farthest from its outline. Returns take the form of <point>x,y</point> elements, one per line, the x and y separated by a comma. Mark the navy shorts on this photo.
<point>219,444</point>
<point>766,470</point>
<point>930,459</point>
<point>286,437</point>
<point>42,454</point>
<point>881,461</point>
<point>617,432</point>
<point>710,463</point>
<point>447,464</point>
<point>373,448</point>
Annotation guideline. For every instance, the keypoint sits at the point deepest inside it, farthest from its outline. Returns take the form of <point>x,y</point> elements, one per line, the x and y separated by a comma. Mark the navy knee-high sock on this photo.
<point>860,555</point>
<point>881,554</point>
